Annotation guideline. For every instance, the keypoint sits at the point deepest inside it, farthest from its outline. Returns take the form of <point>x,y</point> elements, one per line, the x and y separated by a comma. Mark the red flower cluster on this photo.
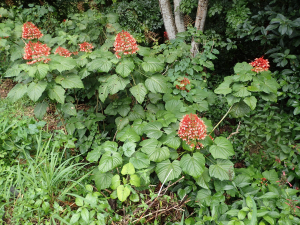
<point>264,181</point>
<point>63,52</point>
<point>191,129</point>
<point>260,64</point>
<point>30,31</point>
<point>183,84</point>
<point>86,47</point>
<point>37,52</point>
<point>125,43</point>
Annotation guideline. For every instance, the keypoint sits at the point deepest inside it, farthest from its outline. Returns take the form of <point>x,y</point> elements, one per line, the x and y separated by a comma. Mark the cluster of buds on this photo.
<point>125,44</point>
<point>260,64</point>
<point>283,180</point>
<point>183,84</point>
<point>192,129</point>
<point>36,52</point>
<point>63,52</point>
<point>264,181</point>
<point>30,31</point>
<point>292,204</point>
<point>86,47</point>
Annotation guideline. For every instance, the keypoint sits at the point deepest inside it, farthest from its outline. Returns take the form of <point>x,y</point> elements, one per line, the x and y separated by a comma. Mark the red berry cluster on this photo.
<point>37,52</point>
<point>192,129</point>
<point>86,47</point>
<point>63,52</point>
<point>183,83</point>
<point>125,44</point>
<point>30,31</point>
<point>260,64</point>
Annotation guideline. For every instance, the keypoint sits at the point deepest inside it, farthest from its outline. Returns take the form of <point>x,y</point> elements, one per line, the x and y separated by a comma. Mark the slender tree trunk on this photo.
<point>168,18</point>
<point>199,23</point>
<point>178,17</point>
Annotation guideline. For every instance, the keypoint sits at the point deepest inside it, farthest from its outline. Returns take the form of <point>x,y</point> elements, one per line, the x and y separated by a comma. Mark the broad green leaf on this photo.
<point>194,165</point>
<point>128,169</point>
<point>157,84</point>
<point>149,144</point>
<point>35,90</point>
<point>71,81</point>
<point>269,219</point>
<point>269,97</point>
<point>271,176</point>
<point>110,146</point>
<point>222,148</point>
<point>125,67</point>
<point>130,135</point>
<point>139,92</point>
<point>137,112</point>
<point>222,170</point>
<point>13,72</point>
<point>17,92</point>
<point>242,68</point>
<point>172,141</point>
<point>154,97</point>
<point>203,180</point>
<point>116,83</point>
<point>239,109</point>
<point>40,110</point>
<point>102,180</point>
<point>157,154</point>
<point>85,215</point>
<point>57,93</point>
<point>109,161</point>
<point>203,196</point>
<point>129,148</point>
<point>62,63</point>
<point>201,106</point>
<point>135,180</point>
<point>167,171</point>
<point>69,108</point>
<point>75,218</point>
<point>94,155</point>
<point>121,122</point>
<point>102,64</point>
<point>152,64</point>
<point>115,182</point>
<point>140,160</point>
<point>103,91</point>
<point>231,99</point>
<point>123,110</point>
<point>223,89</point>
<point>243,92</point>
<point>270,195</point>
<point>43,70</point>
<point>123,192</point>
<point>152,130</point>
<point>251,102</point>
<point>134,198</point>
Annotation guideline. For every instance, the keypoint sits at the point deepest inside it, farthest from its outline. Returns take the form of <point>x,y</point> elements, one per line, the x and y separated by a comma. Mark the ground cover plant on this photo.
<point>144,134</point>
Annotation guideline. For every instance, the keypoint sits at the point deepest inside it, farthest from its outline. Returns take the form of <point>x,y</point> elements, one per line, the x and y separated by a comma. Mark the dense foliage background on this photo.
<point>94,138</point>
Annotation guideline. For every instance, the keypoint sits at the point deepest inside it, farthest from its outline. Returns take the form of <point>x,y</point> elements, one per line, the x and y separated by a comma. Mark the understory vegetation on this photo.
<point>104,120</point>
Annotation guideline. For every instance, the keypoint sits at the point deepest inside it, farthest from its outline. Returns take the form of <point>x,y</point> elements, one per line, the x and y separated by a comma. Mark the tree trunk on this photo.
<point>199,23</point>
<point>178,17</point>
<point>168,18</point>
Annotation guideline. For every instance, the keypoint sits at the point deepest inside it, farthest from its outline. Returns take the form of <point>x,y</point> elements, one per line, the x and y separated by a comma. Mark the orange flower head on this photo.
<point>30,31</point>
<point>260,64</point>
<point>36,52</point>
<point>86,47</point>
<point>63,52</point>
<point>183,83</point>
<point>125,44</point>
<point>192,129</point>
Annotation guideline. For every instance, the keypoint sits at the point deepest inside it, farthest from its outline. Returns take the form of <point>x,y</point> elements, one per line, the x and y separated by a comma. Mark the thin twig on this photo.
<point>236,132</point>
<point>221,120</point>
<point>174,183</point>
<point>115,136</point>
